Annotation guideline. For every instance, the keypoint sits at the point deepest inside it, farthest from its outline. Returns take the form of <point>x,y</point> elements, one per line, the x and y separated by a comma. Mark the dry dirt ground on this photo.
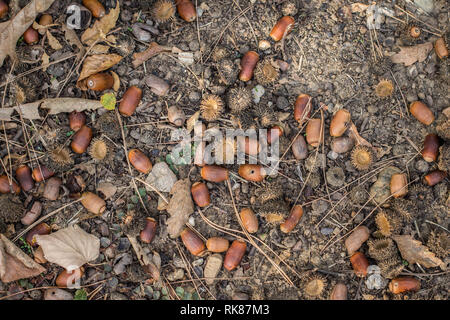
<point>333,57</point>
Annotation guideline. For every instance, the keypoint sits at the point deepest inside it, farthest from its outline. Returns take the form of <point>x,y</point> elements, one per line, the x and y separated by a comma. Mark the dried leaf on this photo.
<point>116,85</point>
<point>73,40</point>
<point>13,29</point>
<point>414,252</point>
<point>180,207</point>
<point>358,7</point>
<point>410,55</point>
<point>192,121</point>
<point>354,134</point>
<point>53,42</point>
<point>101,27</point>
<point>97,63</point>
<point>149,267</point>
<point>45,61</point>
<point>154,49</point>
<point>70,248</point>
<point>107,188</point>
<point>15,264</point>
<point>99,49</point>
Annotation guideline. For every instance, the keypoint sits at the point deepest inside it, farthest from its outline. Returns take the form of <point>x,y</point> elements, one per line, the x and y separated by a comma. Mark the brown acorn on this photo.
<point>100,81</point>
<point>339,292</point>
<point>356,239</point>
<point>314,132</point>
<point>32,214</point>
<point>3,9</point>
<point>404,284</point>
<point>95,7</point>
<point>414,31</point>
<point>69,279</point>
<point>217,244</point>
<point>40,229</point>
<point>274,134</point>
<point>93,203</point>
<point>302,108</point>
<point>23,174</point>
<point>440,48</point>
<point>45,20</point>
<point>234,254</point>
<point>342,144</point>
<point>421,112</point>
<point>130,101</point>
<point>5,187</point>
<point>139,161</point>
<point>339,123</point>
<point>398,185</point>
<point>249,220</point>
<point>282,28</point>
<point>360,264</point>
<point>214,173</point>
<point>252,172</point>
<point>299,148</point>
<point>430,147</point>
<point>77,120</point>
<point>192,242</point>
<point>200,194</point>
<point>81,140</point>
<point>149,231</point>
<point>186,10</point>
<point>293,219</point>
<point>248,64</point>
<point>435,177</point>
<point>31,36</point>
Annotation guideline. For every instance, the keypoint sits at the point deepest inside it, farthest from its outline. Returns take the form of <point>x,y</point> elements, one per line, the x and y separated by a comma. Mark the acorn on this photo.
<point>100,81</point>
<point>51,189</point>
<point>248,64</point>
<point>163,10</point>
<point>77,120</point>
<point>149,231</point>
<point>130,101</point>
<point>361,157</point>
<point>414,32</point>
<point>384,88</point>
<point>265,72</point>
<point>356,239</point>
<point>234,254</point>
<point>300,148</point>
<point>45,20</point>
<point>200,194</point>
<point>239,99</point>
<point>339,123</point>
<point>192,242</point>
<point>186,10</point>
<point>399,185</point>
<point>176,116</point>
<point>32,214</point>
<point>342,144</point>
<point>421,112</point>
<point>5,187</point>
<point>302,108</point>
<point>217,244</point>
<point>139,161</point>
<point>441,48</point>
<point>282,28</point>
<point>23,174</point>
<point>360,264</point>
<point>40,229</point>
<point>93,203</point>
<point>211,107</point>
<point>314,286</point>
<point>3,9</point>
<point>274,134</point>
<point>249,220</point>
<point>95,7</point>
<point>430,147</point>
<point>81,140</point>
<point>293,219</point>
<point>252,172</point>
<point>404,284</point>
<point>435,177</point>
<point>314,132</point>
<point>69,279</point>
<point>157,85</point>
<point>31,36</point>
<point>214,173</point>
<point>339,292</point>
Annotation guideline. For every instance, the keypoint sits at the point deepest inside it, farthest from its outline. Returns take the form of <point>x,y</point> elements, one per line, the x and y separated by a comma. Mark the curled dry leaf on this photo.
<point>151,266</point>
<point>70,248</point>
<point>192,121</point>
<point>154,48</point>
<point>13,29</point>
<point>107,188</point>
<point>410,55</point>
<point>354,134</point>
<point>100,49</point>
<point>414,252</point>
<point>72,39</point>
<point>45,61</point>
<point>15,264</point>
<point>53,42</point>
<point>180,207</point>
<point>95,64</point>
<point>54,106</point>
<point>101,27</point>
<point>116,85</point>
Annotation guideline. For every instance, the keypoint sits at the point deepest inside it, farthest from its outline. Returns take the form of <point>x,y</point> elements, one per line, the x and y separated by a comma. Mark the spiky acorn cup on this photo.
<point>406,208</point>
<point>270,192</point>
<point>439,244</point>
<point>228,71</point>
<point>443,126</point>
<point>239,99</point>
<point>243,120</point>
<point>266,73</point>
<point>392,267</point>
<point>274,211</point>
<point>11,208</point>
<point>59,159</point>
<point>108,124</point>
<point>444,157</point>
<point>211,107</point>
<point>163,11</point>
<point>384,89</point>
<point>361,157</point>
<point>125,45</point>
<point>382,249</point>
<point>265,114</point>
<point>101,150</point>
<point>388,222</point>
<point>314,286</point>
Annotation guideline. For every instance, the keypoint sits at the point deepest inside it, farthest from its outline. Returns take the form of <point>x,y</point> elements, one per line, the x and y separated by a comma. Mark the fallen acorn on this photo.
<point>45,20</point>
<point>398,185</point>
<point>339,292</point>
<point>95,7</point>
<point>130,101</point>
<point>40,229</point>
<point>157,85</point>
<point>294,217</point>
<point>214,173</point>
<point>23,174</point>
<point>100,81</point>
<point>435,177</point>
<point>149,231</point>
<point>274,134</point>
<point>339,123</point>
<point>249,220</point>
<point>360,264</point>
<point>342,144</point>
<point>186,10</point>
<point>252,172</point>
<point>81,140</point>
<point>176,116</point>
<point>31,36</point>
<point>93,203</point>
<point>217,244</point>
<point>234,254</point>
<point>41,173</point>
<point>192,242</point>
<point>421,112</point>
<point>356,239</point>
<point>6,187</point>
<point>248,64</point>
<point>430,147</point>
<point>32,214</point>
<point>200,194</point>
<point>440,48</point>
<point>404,284</point>
<point>3,9</point>
<point>77,120</point>
<point>51,189</point>
<point>282,28</point>
<point>300,148</point>
<point>414,32</point>
<point>302,108</point>
<point>314,132</point>
<point>69,279</point>
<point>139,161</point>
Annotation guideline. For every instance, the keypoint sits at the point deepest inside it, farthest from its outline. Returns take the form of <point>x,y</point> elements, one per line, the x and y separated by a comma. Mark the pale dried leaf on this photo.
<point>72,39</point>
<point>13,29</point>
<point>45,61</point>
<point>180,207</point>
<point>97,63</point>
<point>358,7</point>
<point>70,248</point>
<point>101,27</point>
<point>53,42</point>
<point>149,267</point>
<point>107,188</point>
<point>192,121</point>
<point>116,85</point>
<point>354,134</point>
<point>100,49</point>
<point>15,264</point>
<point>414,252</point>
<point>411,55</point>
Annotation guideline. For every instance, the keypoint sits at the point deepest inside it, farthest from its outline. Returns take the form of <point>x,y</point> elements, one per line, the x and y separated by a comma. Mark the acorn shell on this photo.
<point>192,242</point>
<point>282,28</point>
<point>249,220</point>
<point>421,112</point>
<point>339,123</point>
<point>93,203</point>
<point>234,254</point>
<point>239,99</point>
<point>252,172</point>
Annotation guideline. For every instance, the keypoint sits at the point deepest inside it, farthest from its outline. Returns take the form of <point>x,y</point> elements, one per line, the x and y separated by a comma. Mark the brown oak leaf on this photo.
<point>410,55</point>
<point>101,27</point>
<point>413,251</point>
<point>180,207</point>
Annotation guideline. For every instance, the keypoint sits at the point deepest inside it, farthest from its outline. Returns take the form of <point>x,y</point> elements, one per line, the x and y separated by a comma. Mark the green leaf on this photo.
<point>108,101</point>
<point>80,294</point>
<point>68,134</point>
<point>142,192</point>
<point>180,291</point>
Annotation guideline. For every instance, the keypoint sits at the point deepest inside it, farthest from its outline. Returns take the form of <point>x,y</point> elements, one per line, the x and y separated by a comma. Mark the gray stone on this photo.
<point>161,178</point>
<point>425,5</point>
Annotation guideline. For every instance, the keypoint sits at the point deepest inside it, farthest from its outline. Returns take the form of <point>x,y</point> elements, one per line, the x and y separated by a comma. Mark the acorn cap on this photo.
<point>211,107</point>
<point>314,286</point>
<point>361,157</point>
<point>382,249</point>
